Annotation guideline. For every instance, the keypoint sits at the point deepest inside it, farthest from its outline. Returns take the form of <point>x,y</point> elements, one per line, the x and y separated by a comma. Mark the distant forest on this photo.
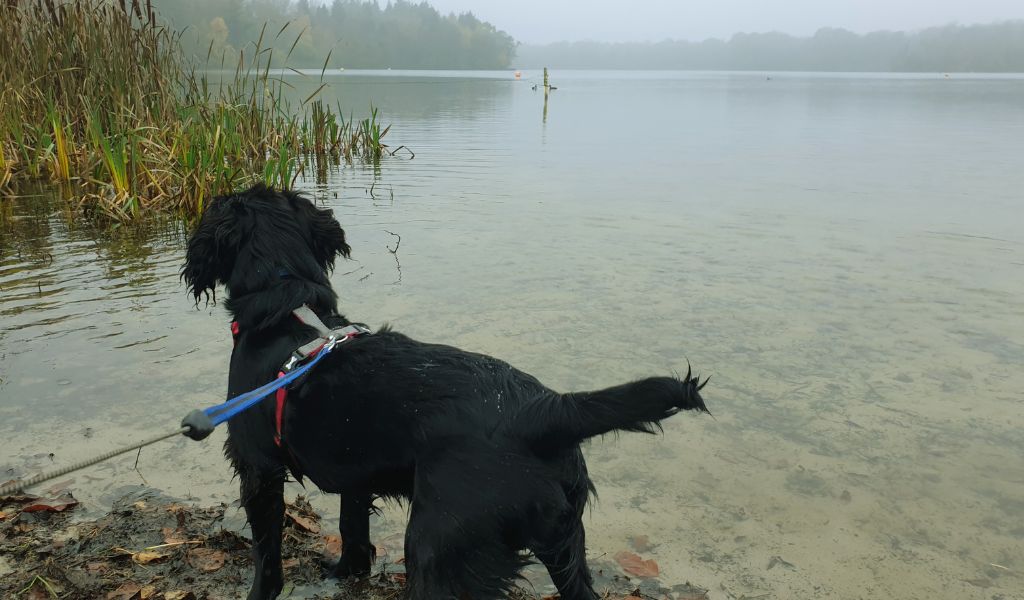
<point>355,33</point>
<point>998,47</point>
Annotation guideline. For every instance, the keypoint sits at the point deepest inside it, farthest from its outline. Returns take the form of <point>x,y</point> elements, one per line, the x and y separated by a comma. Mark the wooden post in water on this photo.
<point>547,88</point>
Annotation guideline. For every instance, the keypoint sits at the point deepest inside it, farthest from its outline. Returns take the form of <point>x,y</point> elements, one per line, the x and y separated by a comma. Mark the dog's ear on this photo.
<point>212,247</point>
<point>327,238</point>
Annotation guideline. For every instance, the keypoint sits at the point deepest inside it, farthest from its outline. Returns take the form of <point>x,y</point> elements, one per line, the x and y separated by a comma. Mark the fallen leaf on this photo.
<point>125,592</point>
<point>22,497</point>
<point>50,504</point>
<point>289,563</point>
<point>207,559</point>
<point>332,545</point>
<point>179,595</point>
<point>174,536</point>
<point>147,592</point>
<point>145,557</point>
<point>640,543</point>
<point>305,523</point>
<point>97,567</point>
<point>4,516</point>
<point>634,565</point>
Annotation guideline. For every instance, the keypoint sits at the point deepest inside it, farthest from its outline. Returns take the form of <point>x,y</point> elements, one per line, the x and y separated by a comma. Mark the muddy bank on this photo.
<point>152,547</point>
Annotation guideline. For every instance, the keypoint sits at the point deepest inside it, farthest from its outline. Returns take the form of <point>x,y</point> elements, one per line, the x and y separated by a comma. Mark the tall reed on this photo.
<point>100,97</point>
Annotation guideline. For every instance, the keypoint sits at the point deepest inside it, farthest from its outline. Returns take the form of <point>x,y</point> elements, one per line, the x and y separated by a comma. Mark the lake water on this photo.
<point>844,254</point>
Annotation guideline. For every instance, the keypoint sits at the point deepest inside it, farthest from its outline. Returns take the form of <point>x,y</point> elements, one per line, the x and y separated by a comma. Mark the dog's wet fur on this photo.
<point>486,456</point>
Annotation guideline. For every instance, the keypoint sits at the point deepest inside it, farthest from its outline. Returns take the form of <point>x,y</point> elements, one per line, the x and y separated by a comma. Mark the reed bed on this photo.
<point>97,97</point>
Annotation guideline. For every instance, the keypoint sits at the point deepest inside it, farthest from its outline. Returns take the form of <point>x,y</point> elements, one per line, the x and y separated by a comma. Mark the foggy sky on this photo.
<point>542,21</point>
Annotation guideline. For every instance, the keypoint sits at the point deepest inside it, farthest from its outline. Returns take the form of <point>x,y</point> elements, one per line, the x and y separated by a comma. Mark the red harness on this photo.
<point>304,353</point>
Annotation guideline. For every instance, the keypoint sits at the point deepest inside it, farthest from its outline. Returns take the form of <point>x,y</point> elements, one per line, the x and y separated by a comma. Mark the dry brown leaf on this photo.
<point>97,567</point>
<point>50,504</point>
<point>207,559</point>
<point>634,565</point>
<point>174,536</point>
<point>125,592</point>
<point>332,545</point>
<point>147,592</point>
<point>640,543</point>
<point>179,595</point>
<point>289,563</point>
<point>145,557</point>
<point>306,523</point>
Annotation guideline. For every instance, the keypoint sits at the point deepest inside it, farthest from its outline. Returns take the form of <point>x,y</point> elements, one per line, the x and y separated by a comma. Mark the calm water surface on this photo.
<point>844,254</point>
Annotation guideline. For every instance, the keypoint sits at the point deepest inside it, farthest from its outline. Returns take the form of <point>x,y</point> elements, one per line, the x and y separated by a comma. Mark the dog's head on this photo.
<point>250,239</point>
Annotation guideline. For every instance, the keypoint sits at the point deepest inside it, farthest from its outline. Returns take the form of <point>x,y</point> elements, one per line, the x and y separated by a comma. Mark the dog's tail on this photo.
<point>563,420</point>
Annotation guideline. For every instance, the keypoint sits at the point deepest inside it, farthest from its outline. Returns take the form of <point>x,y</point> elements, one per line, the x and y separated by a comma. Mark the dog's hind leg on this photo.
<point>456,546</point>
<point>357,553</point>
<point>263,499</point>
<point>446,559</point>
<point>561,543</point>
<point>564,556</point>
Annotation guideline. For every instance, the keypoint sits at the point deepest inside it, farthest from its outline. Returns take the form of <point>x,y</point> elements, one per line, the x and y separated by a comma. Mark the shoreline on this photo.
<point>150,546</point>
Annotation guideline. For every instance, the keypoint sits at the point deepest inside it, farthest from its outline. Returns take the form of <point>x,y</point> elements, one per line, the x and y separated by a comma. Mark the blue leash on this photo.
<point>201,423</point>
<point>197,425</point>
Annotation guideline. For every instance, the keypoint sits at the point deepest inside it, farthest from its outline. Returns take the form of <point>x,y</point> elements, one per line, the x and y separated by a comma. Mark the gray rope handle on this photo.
<point>21,484</point>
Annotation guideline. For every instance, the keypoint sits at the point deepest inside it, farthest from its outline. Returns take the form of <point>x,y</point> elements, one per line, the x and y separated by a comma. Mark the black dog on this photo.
<point>487,457</point>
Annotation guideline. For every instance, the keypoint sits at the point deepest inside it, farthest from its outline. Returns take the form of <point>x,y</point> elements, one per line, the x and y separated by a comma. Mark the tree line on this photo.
<point>343,33</point>
<point>997,47</point>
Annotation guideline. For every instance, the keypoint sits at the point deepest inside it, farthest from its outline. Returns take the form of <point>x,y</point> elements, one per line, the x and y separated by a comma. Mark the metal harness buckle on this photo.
<point>332,338</point>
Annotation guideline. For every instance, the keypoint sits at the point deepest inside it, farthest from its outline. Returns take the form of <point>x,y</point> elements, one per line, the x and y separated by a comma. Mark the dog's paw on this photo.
<point>266,590</point>
<point>354,562</point>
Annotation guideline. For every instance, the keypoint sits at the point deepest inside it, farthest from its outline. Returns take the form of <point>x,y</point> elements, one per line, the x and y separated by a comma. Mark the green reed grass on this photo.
<point>97,95</point>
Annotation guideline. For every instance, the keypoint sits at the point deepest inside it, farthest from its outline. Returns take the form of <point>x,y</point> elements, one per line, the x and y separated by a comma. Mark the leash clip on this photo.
<point>293,360</point>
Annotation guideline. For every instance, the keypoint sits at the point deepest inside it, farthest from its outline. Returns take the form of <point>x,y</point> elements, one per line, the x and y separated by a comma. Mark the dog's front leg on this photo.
<point>357,553</point>
<point>263,498</point>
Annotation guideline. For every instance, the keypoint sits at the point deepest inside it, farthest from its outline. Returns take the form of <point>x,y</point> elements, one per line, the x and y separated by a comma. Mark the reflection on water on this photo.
<point>842,253</point>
